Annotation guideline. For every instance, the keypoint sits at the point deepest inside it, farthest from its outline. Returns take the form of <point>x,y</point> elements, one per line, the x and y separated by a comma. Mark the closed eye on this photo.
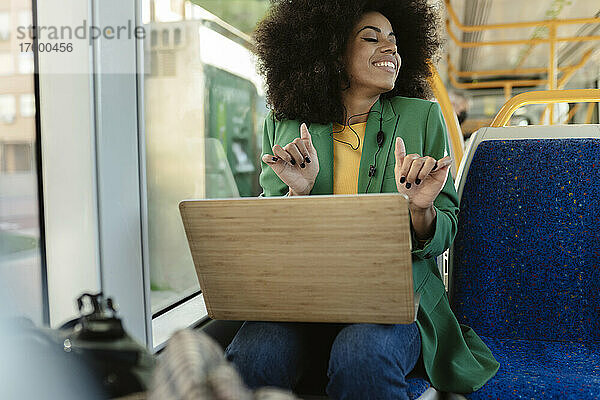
<point>370,40</point>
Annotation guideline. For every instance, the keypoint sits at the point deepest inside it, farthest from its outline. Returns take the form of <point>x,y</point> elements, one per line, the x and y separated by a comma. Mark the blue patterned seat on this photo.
<point>525,271</point>
<point>540,369</point>
<point>416,387</point>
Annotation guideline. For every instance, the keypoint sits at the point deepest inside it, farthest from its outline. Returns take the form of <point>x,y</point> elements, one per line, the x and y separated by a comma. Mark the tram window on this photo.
<point>20,256</point>
<point>16,157</point>
<point>203,125</point>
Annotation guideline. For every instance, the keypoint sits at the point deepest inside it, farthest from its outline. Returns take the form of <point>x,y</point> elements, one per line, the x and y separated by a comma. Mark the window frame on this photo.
<point>191,310</point>
<point>120,176</point>
<point>65,113</point>
<point>100,114</point>
<point>119,118</point>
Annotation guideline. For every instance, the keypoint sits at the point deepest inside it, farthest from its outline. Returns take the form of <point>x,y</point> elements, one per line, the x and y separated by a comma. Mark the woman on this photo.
<point>355,70</point>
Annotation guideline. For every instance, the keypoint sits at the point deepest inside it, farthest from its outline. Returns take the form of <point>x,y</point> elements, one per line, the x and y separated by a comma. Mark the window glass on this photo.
<point>204,109</point>
<point>27,105</point>
<point>16,157</point>
<point>20,258</point>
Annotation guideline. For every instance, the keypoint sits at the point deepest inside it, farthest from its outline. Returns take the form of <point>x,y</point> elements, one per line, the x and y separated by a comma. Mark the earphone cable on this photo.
<point>352,129</point>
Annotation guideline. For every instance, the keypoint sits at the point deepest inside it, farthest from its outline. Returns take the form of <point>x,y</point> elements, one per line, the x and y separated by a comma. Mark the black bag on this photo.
<point>92,352</point>
<point>122,365</point>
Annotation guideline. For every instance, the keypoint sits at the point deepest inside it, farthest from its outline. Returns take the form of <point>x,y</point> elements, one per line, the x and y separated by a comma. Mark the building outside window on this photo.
<point>6,63</point>
<point>26,63</point>
<point>204,108</point>
<point>16,157</point>
<point>8,108</point>
<point>20,257</point>
<point>4,26</point>
<point>27,105</point>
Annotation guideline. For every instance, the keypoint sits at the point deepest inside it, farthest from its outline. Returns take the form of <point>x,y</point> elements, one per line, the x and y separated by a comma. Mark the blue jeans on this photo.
<point>366,361</point>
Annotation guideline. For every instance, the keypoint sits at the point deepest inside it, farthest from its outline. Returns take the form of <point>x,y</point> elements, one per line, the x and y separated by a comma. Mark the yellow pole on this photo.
<point>573,111</point>
<point>543,117</point>
<point>570,71</point>
<point>455,135</point>
<point>590,113</point>
<point>507,91</point>
<point>552,66</point>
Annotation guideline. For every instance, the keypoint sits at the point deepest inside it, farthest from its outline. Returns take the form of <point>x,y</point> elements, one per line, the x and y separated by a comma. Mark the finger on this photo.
<point>443,163</point>
<point>307,139</point>
<point>426,169</point>
<point>400,151</point>
<point>276,163</point>
<point>281,153</point>
<point>297,157</point>
<point>406,164</point>
<point>305,134</point>
<point>413,172</point>
<point>269,159</point>
<point>301,144</point>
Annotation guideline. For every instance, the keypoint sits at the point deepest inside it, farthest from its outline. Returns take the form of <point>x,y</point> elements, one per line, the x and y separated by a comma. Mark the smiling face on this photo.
<point>372,59</point>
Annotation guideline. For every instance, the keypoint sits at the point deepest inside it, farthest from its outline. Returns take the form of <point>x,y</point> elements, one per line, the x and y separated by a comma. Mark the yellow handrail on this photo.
<point>573,111</point>
<point>544,97</point>
<point>555,22</point>
<point>462,44</point>
<point>515,71</point>
<point>589,113</point>
<point>552,39</point>
<point>457,141</point>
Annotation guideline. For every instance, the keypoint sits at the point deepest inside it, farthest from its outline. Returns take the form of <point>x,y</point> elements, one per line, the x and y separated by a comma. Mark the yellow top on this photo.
<point>346,160</point>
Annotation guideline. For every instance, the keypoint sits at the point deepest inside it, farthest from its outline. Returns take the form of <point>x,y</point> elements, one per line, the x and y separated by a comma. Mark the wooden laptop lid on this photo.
<point>343,259</point>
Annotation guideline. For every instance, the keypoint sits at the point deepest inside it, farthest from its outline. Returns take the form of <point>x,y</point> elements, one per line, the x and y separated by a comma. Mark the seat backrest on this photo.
<point>526,260</point>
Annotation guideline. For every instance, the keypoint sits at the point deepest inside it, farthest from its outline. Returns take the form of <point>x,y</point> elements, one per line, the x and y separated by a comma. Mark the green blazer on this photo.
<point>454,357</point>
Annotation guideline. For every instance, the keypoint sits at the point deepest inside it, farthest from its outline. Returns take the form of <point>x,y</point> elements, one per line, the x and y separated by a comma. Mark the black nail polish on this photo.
<point>293,162</point>
<point>275,158</point>
<point>408,185</point>
<point>403,179</point>
<point>418,181</point>
<point>307,159</point>
<point>302,165</point>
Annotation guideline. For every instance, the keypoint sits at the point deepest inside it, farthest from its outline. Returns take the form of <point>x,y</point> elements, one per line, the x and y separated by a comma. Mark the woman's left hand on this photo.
<point>420,178</point>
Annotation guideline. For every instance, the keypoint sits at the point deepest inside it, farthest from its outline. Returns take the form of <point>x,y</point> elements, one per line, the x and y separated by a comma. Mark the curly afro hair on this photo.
<point>300,46</point>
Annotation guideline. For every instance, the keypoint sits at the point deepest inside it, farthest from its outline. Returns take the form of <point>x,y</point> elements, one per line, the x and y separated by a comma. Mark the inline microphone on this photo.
<point>380,138</point>
<point>372,170</point>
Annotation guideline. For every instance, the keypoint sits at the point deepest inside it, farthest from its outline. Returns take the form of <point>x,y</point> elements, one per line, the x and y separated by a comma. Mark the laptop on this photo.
<point>333,259</point>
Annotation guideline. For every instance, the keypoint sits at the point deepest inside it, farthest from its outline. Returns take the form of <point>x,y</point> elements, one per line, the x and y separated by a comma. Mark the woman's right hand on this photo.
<point>296,164</point>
